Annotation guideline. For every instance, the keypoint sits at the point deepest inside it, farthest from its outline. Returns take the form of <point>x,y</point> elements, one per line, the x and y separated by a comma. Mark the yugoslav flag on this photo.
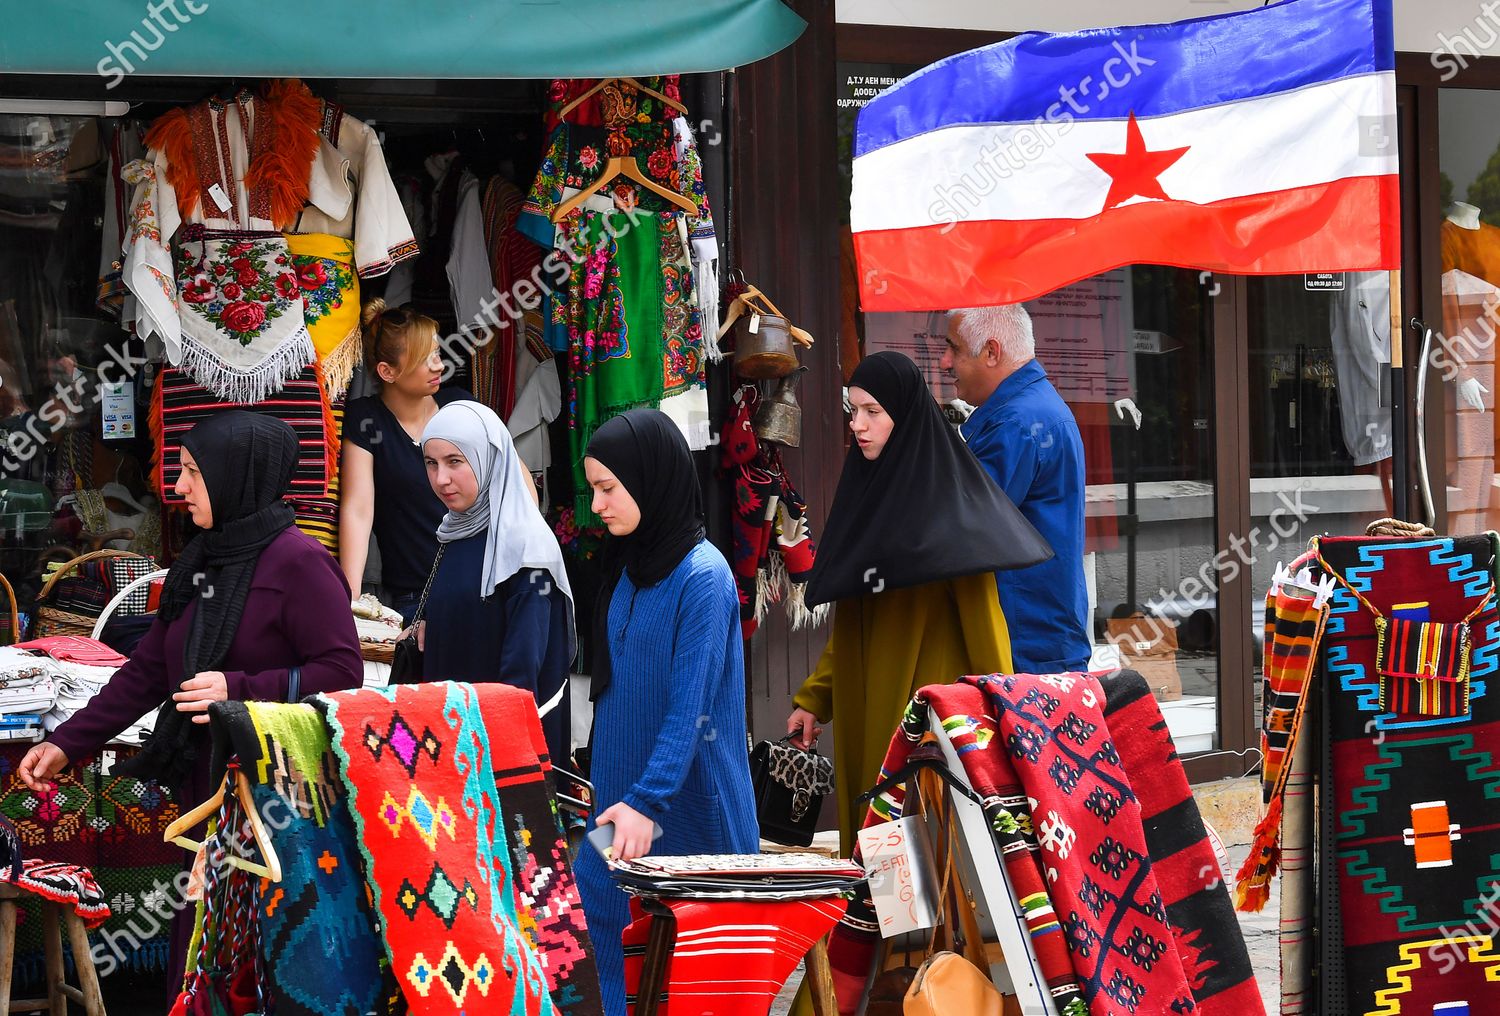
<point>1257,143</point>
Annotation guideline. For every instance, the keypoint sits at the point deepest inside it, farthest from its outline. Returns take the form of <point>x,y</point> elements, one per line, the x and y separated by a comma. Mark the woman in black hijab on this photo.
<point>916,531</point>
<point>253,609</point>
<point>669,676</point>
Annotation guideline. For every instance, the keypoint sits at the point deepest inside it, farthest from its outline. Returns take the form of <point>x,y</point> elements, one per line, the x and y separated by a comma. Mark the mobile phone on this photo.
<point>602,839</point>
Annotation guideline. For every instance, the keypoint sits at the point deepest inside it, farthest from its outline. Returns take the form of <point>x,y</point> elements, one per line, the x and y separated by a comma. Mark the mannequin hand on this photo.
<point>41,763</point>
<point>804,725</point>
<point>1470,391</point>
<point>208,686</point>
<point>632,831</point>
<point>1124,406</point>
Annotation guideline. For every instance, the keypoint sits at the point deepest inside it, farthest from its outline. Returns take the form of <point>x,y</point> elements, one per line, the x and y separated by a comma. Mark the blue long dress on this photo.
<point>669,735</point>
<point>518,635</point>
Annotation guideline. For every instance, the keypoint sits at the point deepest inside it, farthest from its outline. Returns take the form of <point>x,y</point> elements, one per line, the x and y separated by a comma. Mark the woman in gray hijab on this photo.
<point>500,607</point>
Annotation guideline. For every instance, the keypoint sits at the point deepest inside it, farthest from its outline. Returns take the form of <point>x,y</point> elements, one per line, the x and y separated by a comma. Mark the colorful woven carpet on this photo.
<point>321,953</point>
<point>419,767</point>
<point>1417,843</point>
<point>1093,848</point>
<point>548,906</point>
<point>961,709</point>
<point>1186,868</point>
<point>111,826</point>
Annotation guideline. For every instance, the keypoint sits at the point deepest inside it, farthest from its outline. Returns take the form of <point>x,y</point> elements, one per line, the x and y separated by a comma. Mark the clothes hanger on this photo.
<point>626,166</point>
<point>922,758</point>
<point>602,82</point>
<point>174,833</point>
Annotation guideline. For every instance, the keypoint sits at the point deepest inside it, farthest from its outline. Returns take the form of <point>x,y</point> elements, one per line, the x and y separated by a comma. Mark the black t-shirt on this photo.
<point>407,512</point>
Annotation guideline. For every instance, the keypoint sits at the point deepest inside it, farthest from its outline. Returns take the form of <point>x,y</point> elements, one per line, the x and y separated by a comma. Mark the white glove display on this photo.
<point>1472,392</point>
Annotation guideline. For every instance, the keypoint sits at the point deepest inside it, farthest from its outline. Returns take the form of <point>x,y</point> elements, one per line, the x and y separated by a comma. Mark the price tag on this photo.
<point>220,198</point>
<point>754,323</point>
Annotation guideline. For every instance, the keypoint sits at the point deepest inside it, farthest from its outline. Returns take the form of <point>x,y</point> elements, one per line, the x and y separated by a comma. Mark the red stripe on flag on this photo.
<point>1347,225</point>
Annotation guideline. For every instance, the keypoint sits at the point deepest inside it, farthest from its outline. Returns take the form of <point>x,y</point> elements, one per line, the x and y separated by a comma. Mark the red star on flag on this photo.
<point>1135,172</point>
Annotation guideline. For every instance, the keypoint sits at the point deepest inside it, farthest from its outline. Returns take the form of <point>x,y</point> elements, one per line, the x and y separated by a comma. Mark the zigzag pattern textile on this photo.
<point>1416,840</point>
<point>547,901</point>
<point>419,765</point>
<point>320,950</point>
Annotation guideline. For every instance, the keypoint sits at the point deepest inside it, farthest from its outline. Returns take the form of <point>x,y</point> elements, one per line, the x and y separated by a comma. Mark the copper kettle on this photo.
<point>779,418</point>
<point>767,347</point>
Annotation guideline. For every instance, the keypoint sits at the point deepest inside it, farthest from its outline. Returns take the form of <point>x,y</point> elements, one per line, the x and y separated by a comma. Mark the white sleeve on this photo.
<point>382,236</point>
<point>148,273</point>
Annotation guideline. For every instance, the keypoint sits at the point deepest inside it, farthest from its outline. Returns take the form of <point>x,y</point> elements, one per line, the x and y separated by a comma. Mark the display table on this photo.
<point>112,825</point>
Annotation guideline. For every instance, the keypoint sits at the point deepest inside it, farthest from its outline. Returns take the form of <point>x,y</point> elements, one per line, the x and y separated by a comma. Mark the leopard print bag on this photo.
<point>790,785</point>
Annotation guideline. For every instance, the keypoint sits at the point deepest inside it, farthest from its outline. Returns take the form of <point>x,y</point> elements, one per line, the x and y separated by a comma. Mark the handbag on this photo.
<point>406,658</point>
<point>1423,665</point>
<point>790,785</point>
<point>947,982</point>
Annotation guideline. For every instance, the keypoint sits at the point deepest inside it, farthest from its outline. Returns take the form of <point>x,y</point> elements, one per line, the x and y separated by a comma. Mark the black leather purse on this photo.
<point>790,785</point>
<point>406,657</point>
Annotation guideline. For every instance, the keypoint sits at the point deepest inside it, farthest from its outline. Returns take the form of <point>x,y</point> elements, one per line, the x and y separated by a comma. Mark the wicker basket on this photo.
<point>11,632</point>
<point>377,652</point>
<point>50,620</point>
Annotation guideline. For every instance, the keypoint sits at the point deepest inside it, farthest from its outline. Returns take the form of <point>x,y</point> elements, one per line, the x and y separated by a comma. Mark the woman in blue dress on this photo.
<point>500,607</point>
<point>669,692</point>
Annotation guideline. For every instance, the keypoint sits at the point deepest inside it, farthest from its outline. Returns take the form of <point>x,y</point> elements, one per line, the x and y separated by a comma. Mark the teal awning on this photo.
<point>391,38</point>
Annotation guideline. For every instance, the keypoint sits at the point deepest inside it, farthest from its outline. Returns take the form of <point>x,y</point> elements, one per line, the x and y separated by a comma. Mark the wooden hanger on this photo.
<point>210,809</point>
<point>626,166</point>
<point>752,301</point>
<point>599,87</point>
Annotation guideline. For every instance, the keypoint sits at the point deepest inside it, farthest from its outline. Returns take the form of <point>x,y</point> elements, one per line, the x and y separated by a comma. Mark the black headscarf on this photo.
<point>924,510</point>
<point>246,461</point>
<point>647,453</point>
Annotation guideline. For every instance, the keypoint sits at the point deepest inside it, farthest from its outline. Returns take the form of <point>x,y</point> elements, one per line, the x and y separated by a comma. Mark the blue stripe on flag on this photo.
<point>1197,63</point>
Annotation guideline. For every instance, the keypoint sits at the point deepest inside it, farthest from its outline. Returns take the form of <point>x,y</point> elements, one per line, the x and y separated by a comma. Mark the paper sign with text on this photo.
<point>898,862</point>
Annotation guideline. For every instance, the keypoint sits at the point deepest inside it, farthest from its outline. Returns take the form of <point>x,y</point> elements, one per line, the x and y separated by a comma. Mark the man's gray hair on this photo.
<point>1008,324</point>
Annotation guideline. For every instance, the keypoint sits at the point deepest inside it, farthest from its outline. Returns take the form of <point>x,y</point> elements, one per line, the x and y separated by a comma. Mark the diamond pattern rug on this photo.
<point>419,765</point>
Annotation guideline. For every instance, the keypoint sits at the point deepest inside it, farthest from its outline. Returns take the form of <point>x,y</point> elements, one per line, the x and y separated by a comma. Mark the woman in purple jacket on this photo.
<point>253,609</point>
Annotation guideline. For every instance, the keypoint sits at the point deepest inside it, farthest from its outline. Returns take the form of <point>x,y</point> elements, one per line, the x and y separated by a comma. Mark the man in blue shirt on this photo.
<point>1026,438</point>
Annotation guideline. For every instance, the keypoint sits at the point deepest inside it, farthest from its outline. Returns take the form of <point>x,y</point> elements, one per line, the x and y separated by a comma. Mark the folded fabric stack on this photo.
<point>27,685</point>
<point>77,683</point>
<point>739,876</point>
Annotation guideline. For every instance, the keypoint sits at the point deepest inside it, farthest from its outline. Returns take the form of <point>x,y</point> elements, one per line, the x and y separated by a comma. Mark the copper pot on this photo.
<point>767,352</point>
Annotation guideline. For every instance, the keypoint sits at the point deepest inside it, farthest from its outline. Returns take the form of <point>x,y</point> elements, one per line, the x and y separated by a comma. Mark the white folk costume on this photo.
<point>223,182</point>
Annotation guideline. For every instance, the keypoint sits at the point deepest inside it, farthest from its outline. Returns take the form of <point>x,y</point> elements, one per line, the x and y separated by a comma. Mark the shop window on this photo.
<point>58,324</point>
<point>1459,410</point>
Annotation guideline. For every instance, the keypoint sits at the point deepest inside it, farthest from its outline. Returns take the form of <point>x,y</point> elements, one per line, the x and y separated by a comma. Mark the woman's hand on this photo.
<point>419,630</point>
<point>41,763</point>
<point>803,725</point>
<point>632,831</point>
<point>208,686</point>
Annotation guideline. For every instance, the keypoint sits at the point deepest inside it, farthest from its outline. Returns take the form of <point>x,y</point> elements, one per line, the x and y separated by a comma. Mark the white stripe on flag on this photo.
<point>1309,136</point>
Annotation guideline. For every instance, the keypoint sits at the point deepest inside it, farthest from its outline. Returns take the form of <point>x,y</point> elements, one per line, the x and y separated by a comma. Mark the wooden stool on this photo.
<point>58,990</point>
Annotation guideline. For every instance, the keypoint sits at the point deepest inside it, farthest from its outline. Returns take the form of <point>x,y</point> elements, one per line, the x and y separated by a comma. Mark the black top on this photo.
<point>925,510</point>
<point>407,512</point>
<point>519,635</point>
